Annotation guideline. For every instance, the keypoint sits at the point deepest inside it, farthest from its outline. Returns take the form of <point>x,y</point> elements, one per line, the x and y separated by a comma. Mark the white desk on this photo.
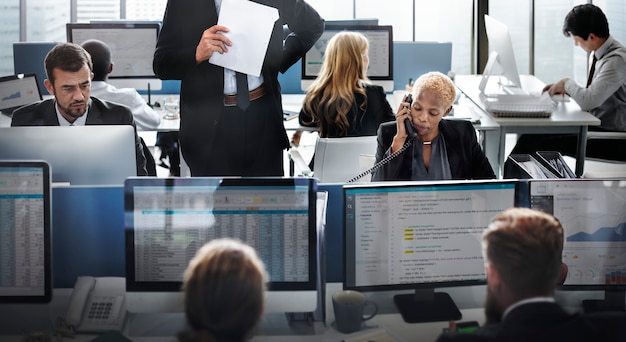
<point>567,118</point>
<point>23,319</point>
<point>41,317</point>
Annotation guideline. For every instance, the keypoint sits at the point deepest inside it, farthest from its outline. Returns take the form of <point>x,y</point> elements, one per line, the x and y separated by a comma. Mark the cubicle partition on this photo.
<point>87,233</point>
<point>410,60</point>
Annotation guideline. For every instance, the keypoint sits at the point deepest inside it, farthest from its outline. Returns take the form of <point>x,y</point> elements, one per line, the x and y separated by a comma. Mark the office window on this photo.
<point>515,14</point>
<point>87,10</point>
<point>145,9</point>
<point>9,32</point>
<point>615,11</point>
<point>556,56</point>
<point>447,21</point>
<point>45,20</point>
<point>401,20</point>
<point>333,10</point>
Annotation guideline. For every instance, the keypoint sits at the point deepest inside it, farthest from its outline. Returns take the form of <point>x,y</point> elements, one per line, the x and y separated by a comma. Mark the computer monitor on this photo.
<point>17,91</point>
<point>380,70</point>
<point>593,215</point>
<point>420,236</point>
<point>168,219</point>
<point>25,232</point>
<point>28,57</point>
<point>132,47</point>
<point>501,54</point>
<point>78,155</point>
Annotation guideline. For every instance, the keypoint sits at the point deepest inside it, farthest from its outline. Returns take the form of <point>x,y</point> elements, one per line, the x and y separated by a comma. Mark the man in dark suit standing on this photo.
<point>69,70</point>
<point>523,254</point>
<point>219,134</point>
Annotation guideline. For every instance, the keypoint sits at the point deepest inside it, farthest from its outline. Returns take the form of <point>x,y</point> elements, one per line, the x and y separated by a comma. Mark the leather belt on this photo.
<point>254,94</point>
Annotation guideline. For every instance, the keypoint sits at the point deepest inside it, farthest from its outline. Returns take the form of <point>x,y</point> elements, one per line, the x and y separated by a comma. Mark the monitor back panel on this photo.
<point>337,159</point>
<point>81,155</point>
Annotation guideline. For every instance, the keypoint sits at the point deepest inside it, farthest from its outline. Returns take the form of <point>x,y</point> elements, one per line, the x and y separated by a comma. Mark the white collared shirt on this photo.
<point>528,301</point>
<point>230,82</point>
<point>80,121</point>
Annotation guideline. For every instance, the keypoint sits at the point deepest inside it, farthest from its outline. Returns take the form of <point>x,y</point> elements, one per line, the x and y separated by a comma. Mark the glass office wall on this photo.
<point>9,33</point>
<point>446,20</point>
<point>515,14</point>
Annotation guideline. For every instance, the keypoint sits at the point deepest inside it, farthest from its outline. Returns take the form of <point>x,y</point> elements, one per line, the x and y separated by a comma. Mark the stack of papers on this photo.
<point>519,106</point>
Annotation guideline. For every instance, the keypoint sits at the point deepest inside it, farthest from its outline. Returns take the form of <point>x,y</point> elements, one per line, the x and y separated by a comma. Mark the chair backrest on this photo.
<point>337,159</point>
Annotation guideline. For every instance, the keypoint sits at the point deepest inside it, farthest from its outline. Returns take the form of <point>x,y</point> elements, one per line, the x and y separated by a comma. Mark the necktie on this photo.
<point>243,98</point>
<point>592,70</point>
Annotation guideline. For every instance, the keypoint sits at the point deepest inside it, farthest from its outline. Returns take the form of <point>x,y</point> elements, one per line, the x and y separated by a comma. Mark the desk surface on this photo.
<point>41,317</point>
<point>566,114</point>
<point>30,318</point>
<point>568,118</point>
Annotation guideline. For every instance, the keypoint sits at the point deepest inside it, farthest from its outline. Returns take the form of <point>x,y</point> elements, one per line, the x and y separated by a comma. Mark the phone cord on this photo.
<point>383,161</point>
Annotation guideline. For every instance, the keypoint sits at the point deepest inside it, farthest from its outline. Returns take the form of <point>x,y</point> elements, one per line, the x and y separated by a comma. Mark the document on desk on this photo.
<point>250,26</point>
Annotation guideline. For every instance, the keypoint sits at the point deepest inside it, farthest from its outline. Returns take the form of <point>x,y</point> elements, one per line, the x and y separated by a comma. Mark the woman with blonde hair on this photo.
<point>341,101</point>
<point>437,149</point>
<point>224,290</point>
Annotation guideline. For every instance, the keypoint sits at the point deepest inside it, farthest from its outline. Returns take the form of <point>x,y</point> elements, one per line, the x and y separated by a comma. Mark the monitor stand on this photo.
<point>613,301</point>
<point>426,305</point>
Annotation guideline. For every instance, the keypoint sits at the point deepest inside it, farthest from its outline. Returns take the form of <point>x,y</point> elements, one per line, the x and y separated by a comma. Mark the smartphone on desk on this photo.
<point>97,305</point>
<point>465,327</point>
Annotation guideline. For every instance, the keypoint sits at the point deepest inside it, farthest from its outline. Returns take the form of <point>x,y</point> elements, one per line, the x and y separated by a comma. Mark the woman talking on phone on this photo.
<point>419,145</point>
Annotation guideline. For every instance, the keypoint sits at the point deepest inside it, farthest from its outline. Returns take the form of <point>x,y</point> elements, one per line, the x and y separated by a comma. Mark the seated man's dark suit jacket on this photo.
<point>548,322</point>
<point>43,113</point>
<point>465,156</point>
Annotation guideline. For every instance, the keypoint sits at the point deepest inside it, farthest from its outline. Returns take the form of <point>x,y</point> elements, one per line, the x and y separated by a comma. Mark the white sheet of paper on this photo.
<point>250,26</point>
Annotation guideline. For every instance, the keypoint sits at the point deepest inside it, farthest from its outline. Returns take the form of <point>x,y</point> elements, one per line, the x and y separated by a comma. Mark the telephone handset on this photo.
<point>97,305</point>
<point>408,125</point>
<point>411,134</point>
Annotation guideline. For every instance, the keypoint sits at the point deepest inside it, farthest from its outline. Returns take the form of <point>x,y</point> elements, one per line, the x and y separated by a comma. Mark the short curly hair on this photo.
<point>439,83</point>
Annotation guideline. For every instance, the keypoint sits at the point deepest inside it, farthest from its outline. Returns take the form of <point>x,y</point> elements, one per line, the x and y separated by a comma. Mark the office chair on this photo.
<point>337,160</point>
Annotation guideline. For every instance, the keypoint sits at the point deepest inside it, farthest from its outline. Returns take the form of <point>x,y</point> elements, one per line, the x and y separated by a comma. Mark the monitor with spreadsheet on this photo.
<point>593,215</point>
<point>420,236</point>
<point>25,232</point>
<point>380,69</point>
<point>132,47</point>
<point>168,220</point>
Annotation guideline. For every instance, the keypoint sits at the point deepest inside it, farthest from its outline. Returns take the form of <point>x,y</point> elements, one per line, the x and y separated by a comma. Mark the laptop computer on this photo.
<point>17,91</point>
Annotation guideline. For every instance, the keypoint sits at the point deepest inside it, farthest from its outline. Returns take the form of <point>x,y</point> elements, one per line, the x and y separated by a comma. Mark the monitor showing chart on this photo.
<point>17,91</point>
<point>380,69</point>
<point>168,220</point>
<point>25,248</point>
<point>593,215</point>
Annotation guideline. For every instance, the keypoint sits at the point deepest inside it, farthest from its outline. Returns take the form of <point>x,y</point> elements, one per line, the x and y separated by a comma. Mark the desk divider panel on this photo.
<point>87,233</point>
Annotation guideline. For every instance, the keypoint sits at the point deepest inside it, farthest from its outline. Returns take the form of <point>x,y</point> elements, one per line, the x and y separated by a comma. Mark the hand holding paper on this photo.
<point>250,27</point>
